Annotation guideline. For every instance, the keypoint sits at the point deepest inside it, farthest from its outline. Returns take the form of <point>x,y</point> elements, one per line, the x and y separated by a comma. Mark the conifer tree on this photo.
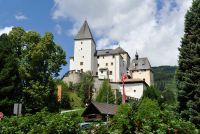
<point>105,93</point>
<point>188,72</point>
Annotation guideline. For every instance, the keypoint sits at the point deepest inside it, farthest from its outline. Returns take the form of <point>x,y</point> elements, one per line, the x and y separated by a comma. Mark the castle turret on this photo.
<point>84,51</point>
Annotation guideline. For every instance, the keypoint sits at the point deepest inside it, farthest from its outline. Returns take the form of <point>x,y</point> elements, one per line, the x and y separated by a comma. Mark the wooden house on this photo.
<point>96,111</point>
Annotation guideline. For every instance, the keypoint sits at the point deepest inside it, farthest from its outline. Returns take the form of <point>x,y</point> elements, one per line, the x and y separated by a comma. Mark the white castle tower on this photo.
<point>84,51</point>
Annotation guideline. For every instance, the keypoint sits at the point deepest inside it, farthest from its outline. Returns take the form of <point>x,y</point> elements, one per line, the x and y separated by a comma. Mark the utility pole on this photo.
<point>107,94</point>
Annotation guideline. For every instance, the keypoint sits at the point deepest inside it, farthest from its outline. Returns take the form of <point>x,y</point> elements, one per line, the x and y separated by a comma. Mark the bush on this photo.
<point>41,122</point>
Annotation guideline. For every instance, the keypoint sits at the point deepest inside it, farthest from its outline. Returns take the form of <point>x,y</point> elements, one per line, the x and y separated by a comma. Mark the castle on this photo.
<point>108,64</point>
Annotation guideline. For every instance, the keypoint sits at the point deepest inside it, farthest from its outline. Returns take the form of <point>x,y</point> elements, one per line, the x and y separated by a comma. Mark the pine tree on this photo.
<point>188,72</point>
<point>105,93</point>
<point>85,87</point>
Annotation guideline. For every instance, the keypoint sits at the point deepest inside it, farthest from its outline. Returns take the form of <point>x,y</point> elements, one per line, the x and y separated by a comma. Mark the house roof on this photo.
<point>84,32</point>
<point>103,108</point>
<point>140,64</point>
<point>131,81</point>
<point>104,52</point>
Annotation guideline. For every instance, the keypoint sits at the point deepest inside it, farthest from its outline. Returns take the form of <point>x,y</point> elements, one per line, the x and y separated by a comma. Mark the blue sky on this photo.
<point>152,27</point>
<point>38,17</point>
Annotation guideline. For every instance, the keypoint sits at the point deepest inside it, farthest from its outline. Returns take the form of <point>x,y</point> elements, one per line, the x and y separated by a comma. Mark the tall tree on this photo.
<point>29,64</point>
<point>105,93</point>
<point>85,87</point>
<point>188,72</point>
<point>40,63</point>
<point>10,85</point>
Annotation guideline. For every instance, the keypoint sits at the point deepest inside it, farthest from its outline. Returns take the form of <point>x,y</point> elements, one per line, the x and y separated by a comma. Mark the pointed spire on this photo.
<point>84,32</point>
<point>136,56</point>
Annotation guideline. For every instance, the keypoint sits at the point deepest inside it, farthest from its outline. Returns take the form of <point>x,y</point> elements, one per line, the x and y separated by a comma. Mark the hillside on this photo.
<point>164,77</point>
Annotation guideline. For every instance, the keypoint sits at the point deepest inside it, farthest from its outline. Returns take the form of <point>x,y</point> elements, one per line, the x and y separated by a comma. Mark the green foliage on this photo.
<point>164,73</point>
<point>168,96</point>
<point>30,63</point>
<point>124,120</point>
<point>85,87</point>
<point>105,93</point>
<point>10,86</point>
<point>152,93</point>
<point>151,119</point>
<point>145,116</point>
<point>188,72</point>
<point>42,122</point>
<point>75,101</point>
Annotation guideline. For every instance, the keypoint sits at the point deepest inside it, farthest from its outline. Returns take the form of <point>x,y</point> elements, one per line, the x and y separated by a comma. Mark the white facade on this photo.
<point>134,90</point>
<point>115,66</point>
<point>83,60</point>
<point>145,75</point>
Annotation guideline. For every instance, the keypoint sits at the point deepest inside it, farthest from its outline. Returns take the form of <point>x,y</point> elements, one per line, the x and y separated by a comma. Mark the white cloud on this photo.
<point>58,29</point>
<point>135,24</point>
<point>5,30</point>
<point>20,17</point>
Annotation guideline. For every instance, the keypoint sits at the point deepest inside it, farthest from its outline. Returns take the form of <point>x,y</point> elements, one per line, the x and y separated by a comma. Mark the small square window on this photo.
<point>134,90</point>
<point>81,63</point>
<point>111,63</point>
<point>110,72</point>
<point>81,42</point>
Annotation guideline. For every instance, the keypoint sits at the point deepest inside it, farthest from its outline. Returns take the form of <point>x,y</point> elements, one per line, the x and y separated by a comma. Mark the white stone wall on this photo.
<point>121,67</point>
<point>71,64</point>
<point>84,51</point>
<point>103,74</point>
<point>73,77</point>
<point>134,90</point>
<point>107,62</point>
<point>146,75</point>
<point>126,58</point>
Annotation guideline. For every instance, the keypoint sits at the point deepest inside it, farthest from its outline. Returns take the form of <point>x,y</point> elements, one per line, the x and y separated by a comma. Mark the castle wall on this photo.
<point>146,75</point>
<point>73,77</point>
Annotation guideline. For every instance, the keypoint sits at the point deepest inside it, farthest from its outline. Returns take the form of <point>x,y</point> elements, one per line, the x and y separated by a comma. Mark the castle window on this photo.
<point>97,57</point>
<point>110,72</point>
<point>98,65</point>
<point>81,70</point>
<point>81,42</point>
<point>134,90</point>
<point>96,73</point>
<point>113,56</point>
<point>111,63</point>
<point>81,48</point>
<point>83,56</point>
<point>103,57</point>
<point>81,63</point>
<point>106,64</point>
<point>101,71</point>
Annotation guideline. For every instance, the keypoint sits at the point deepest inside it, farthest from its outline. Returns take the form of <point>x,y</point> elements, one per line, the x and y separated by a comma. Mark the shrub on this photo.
<point>42,122</point>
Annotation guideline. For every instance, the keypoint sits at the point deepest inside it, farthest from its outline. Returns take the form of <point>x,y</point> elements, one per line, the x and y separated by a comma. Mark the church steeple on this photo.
<point>136,56</point>
<point>84,32</point>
